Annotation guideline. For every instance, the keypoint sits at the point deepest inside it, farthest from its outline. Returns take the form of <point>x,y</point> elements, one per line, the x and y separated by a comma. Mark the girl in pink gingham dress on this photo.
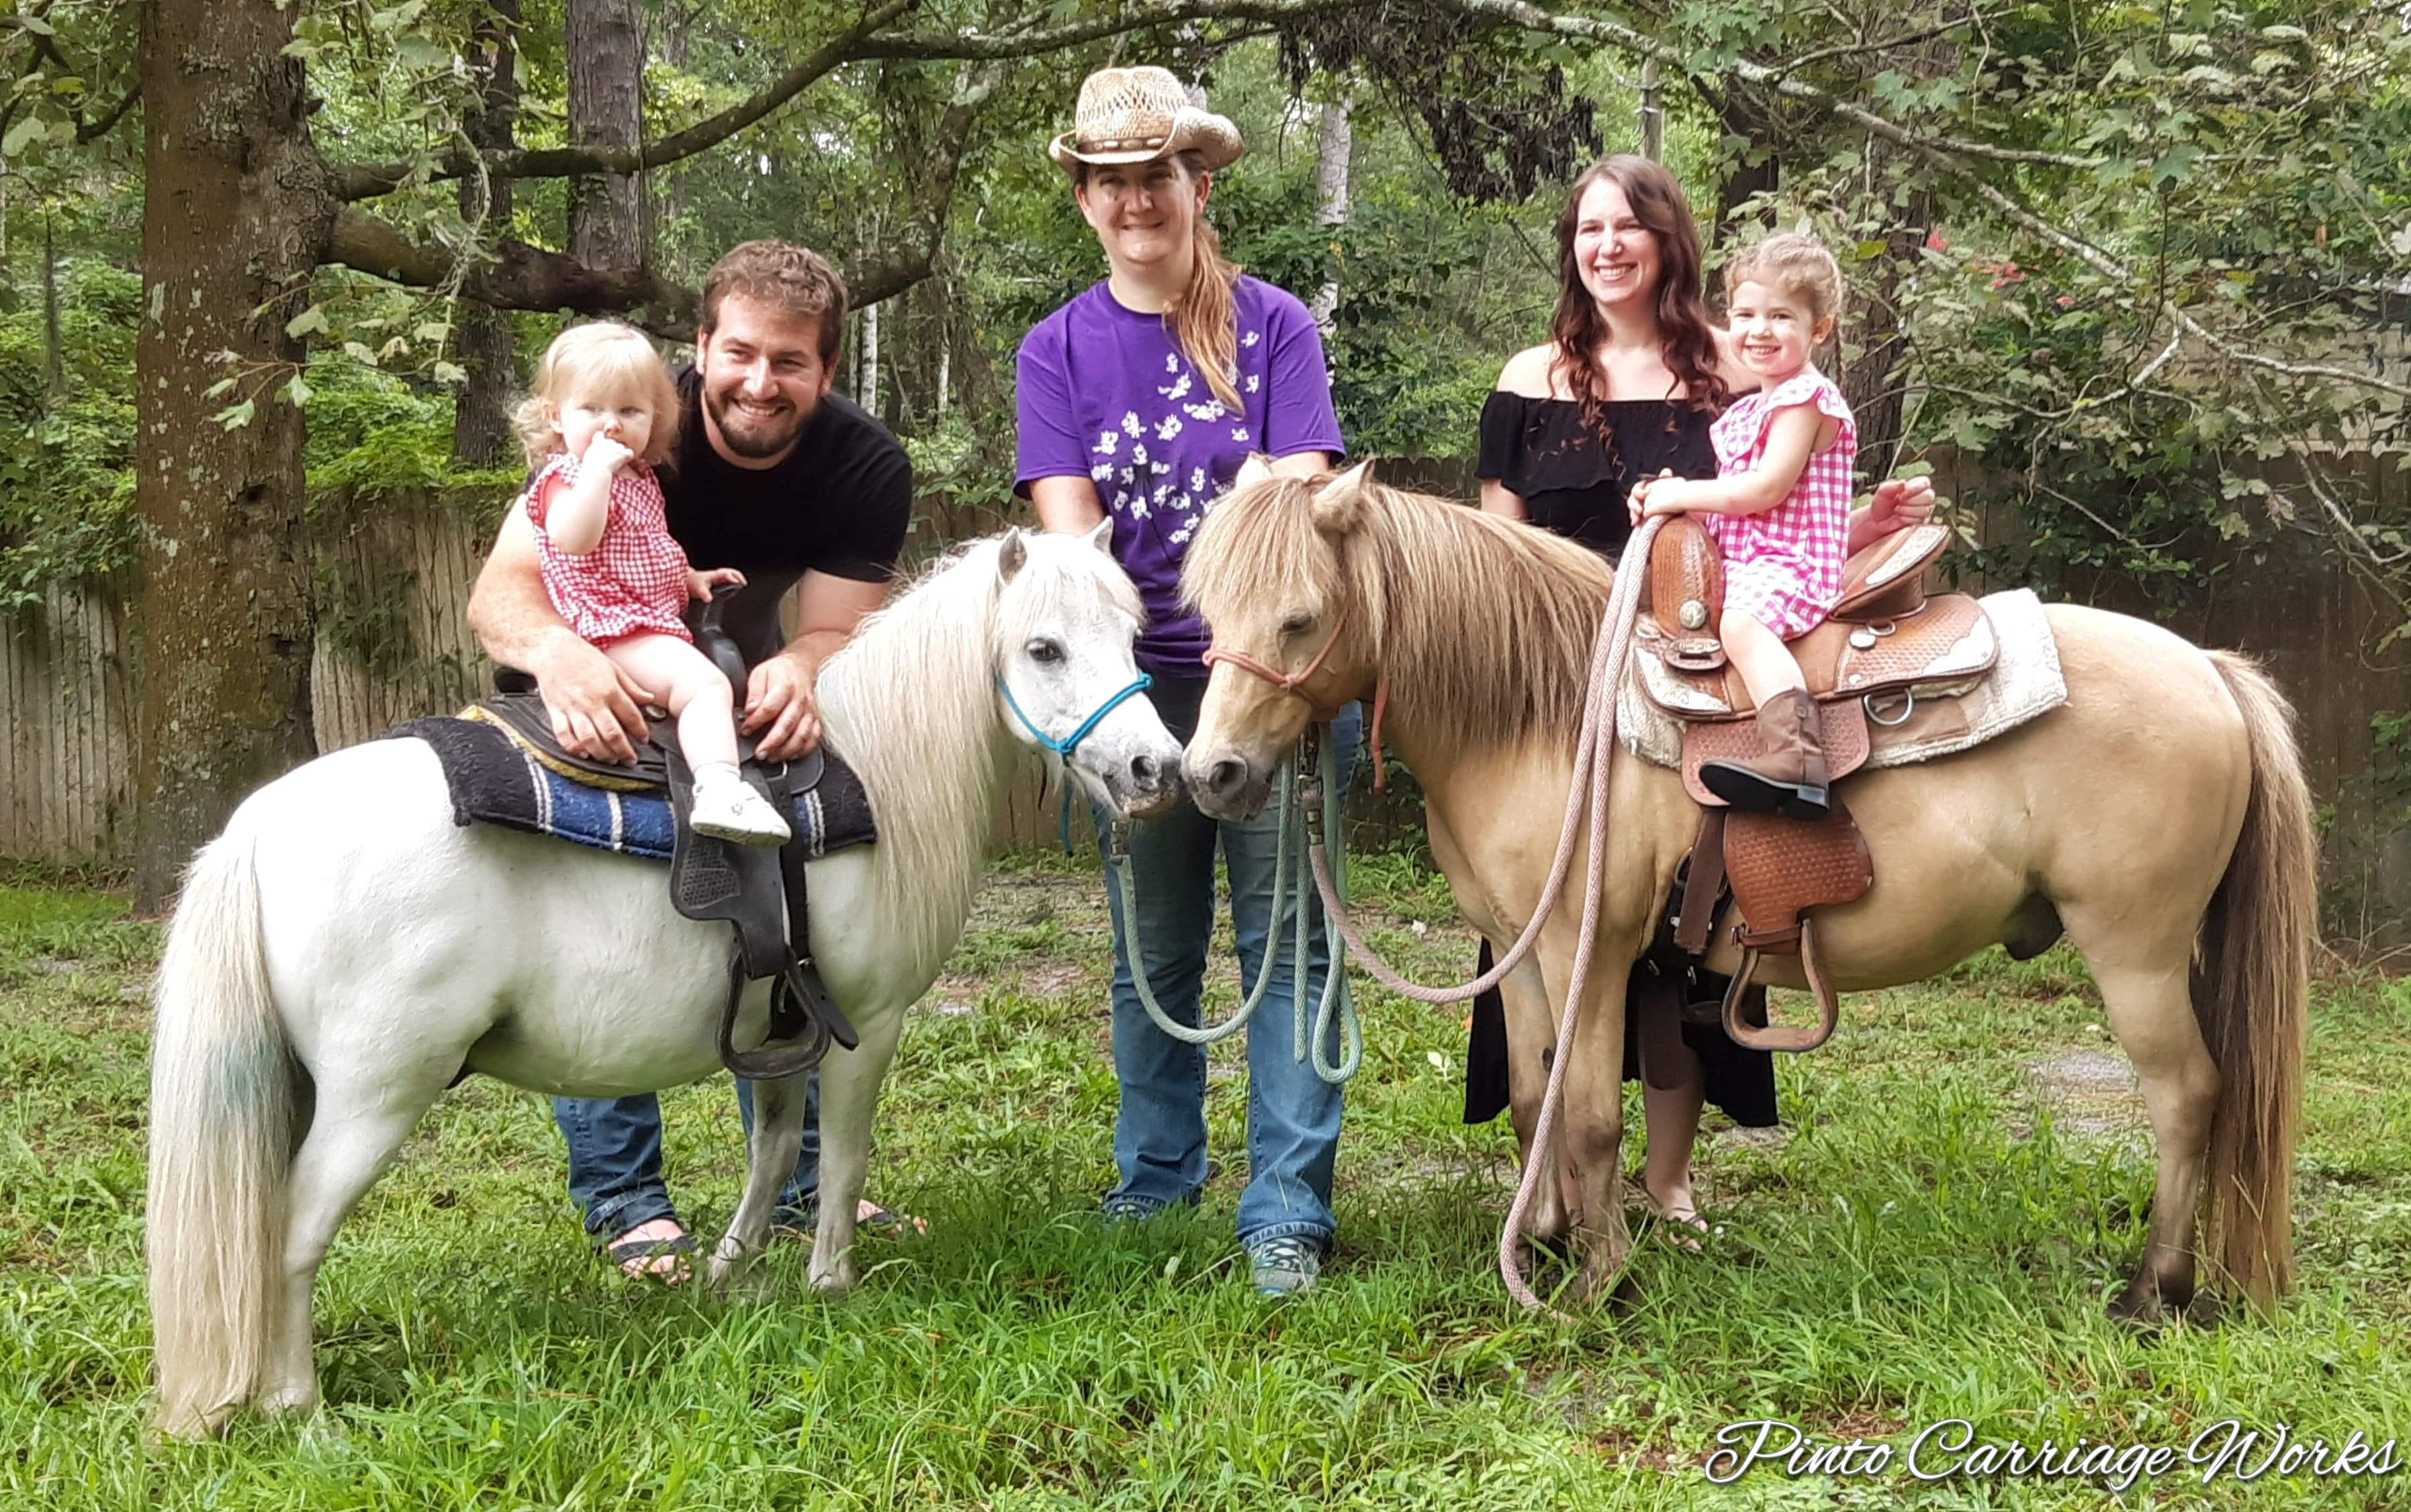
<point>1780,511</point>
<point>603,414</point>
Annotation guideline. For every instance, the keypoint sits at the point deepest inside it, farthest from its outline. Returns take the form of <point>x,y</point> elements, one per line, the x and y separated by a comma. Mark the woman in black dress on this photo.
<point>1626,388</point>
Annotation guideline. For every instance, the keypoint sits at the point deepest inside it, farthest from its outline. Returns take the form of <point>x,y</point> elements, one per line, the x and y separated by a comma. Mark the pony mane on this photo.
<point>1484,626</point>
<point>910,704</point>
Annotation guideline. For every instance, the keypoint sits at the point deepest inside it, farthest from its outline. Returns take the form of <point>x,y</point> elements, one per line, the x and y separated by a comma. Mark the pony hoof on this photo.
<point>189,1425</point>
<point>835,1281</point>
<point>2148,1310</point>
<point>1607,1281</point>
<point>291,1402</point>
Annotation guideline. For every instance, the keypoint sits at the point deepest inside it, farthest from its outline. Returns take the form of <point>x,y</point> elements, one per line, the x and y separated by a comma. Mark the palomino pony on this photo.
<point>2159,817</point>
<point>343,952</point>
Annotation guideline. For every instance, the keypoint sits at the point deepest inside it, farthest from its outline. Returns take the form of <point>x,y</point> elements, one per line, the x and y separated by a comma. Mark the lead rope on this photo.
<point>1592,762</point>
<point>1118,860</point>
<point>1336,998</point>
<point>1291,902</point>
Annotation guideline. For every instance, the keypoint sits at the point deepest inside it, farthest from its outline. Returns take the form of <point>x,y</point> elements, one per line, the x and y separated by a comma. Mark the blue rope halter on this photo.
<point>1065,746</point>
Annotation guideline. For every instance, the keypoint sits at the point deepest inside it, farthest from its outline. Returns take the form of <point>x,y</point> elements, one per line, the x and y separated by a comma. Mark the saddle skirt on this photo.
<point>495,776</point>
<point>1971,675</point>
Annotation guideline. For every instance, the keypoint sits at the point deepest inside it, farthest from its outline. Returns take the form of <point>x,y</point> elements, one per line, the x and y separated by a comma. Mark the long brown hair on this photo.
<point>1687,340</point>
<point>1205,318</point>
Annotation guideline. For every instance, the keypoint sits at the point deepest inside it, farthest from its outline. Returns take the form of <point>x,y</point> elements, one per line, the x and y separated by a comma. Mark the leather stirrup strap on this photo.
<point>799,989</point>
<point>1696,915</point>
<point>1657,1019</point>
<point>1783,1037</point>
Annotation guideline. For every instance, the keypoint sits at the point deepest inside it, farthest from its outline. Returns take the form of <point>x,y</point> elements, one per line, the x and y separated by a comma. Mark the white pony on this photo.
<point>343,952</point>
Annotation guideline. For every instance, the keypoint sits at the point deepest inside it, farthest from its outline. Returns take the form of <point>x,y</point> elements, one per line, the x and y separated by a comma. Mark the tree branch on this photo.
<point>892,275</point>
<point>365,181</point>
<point>1532,18</point>
<point>86,134</point>
<point>2111,268</point>
<point>517,276</point>
<point>1884,44</point>
<point>1012,43</point>
<point>46,46</point>
<point>513,275</point>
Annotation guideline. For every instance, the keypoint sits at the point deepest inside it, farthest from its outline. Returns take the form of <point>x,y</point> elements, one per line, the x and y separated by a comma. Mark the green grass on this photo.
<point>1935,1238</point>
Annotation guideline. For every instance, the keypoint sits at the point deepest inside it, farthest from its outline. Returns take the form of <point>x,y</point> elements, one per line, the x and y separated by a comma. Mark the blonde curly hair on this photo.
<point>604,360</point>
<point>1793,264</point>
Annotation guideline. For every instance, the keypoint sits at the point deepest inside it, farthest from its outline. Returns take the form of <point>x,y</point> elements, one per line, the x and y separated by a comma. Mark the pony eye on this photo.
<point>1045,653</point>
<point>1297,624</point>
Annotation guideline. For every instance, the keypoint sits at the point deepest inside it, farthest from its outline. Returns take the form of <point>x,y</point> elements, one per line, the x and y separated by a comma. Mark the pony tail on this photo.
<point>1205,322</point>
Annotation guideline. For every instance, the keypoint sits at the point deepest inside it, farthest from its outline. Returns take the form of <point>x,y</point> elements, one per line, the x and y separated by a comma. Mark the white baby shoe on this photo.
<point>726,809</point>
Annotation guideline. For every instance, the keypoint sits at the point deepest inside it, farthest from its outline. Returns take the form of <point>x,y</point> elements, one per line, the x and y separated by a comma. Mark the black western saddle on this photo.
<point>759,893</point>
<point>1888,646</point>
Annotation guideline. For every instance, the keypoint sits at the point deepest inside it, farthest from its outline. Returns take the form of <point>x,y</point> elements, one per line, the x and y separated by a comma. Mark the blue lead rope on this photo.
<point>1065,746</point>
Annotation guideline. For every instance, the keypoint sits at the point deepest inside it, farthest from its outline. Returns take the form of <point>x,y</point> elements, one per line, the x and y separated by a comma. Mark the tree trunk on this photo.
<point>238,212</point>
<point>481,419</point>
<point>1334,142</point>
<point>1875,381</point>
<point>606,43</point>
<point>1738,115</point>
<point>676,41</point>
<point>1652,113</point>
<point>869,397</point>
<point>54,362</point>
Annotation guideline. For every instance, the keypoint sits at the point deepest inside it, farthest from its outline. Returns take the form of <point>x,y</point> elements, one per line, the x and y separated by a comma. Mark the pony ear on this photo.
<point>1012,557</point>
<point>1101,535</point>
<point>1253,470</point>
<point>1337,504</point>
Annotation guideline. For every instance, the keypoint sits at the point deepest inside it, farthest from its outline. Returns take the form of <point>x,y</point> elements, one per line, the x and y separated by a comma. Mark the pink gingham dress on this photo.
<point>634,582</point>
<point>1784,567</point>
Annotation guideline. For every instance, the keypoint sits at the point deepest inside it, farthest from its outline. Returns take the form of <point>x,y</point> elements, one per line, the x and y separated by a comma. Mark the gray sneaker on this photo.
<point>1285,1266</point>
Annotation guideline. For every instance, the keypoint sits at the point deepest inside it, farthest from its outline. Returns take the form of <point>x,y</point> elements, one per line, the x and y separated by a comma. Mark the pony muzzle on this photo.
<point>1227,785</point>
<point>1145,784</point>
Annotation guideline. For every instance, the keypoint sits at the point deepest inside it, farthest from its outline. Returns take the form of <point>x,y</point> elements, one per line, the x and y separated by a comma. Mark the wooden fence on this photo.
<point>394,643</point>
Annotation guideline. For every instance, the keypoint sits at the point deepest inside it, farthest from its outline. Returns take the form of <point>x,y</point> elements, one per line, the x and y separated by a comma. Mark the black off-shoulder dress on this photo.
<point>1573,482</point>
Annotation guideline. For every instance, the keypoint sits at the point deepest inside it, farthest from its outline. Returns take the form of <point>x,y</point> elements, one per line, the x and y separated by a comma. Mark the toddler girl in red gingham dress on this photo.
<point>1779,510</point>
<point>603,417</point>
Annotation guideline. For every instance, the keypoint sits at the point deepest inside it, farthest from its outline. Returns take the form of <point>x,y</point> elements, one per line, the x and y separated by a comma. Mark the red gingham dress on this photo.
<point>634,582</point>
<point>1784,567</point>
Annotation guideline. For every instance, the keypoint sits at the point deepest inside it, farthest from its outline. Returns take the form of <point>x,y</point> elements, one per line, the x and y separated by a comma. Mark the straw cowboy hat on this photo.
<point>1137,115</point>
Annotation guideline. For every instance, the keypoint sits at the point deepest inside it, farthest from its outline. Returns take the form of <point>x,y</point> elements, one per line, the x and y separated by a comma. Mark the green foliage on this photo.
<point>2237,168</point>
<point>374,437</point>
<point>66,482</point>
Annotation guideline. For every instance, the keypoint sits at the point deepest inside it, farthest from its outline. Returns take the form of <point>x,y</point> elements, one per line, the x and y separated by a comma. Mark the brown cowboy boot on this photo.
<point>1788,776</point>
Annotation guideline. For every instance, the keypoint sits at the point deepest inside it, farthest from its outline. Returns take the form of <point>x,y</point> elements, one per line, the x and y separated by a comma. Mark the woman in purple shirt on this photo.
<point>1139,400</point>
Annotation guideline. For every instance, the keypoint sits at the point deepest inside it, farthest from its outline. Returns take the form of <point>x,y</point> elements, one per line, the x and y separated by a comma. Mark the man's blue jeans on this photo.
<point>1292,1114</point>
<point>615,1158</point>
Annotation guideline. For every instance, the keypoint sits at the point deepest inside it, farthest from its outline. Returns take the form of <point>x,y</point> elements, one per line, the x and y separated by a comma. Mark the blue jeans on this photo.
<point>1292,1114</point>
<point>615,1158</point>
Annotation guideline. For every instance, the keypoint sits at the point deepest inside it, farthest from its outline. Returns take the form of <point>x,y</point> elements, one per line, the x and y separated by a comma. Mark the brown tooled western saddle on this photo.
<point>1888,646</point>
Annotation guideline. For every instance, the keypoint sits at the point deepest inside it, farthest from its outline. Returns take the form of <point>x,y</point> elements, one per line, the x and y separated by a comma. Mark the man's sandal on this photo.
<point>641,1253</point>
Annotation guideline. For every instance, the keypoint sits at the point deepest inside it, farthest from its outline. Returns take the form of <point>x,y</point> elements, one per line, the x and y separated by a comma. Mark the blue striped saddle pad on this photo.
<point>494,780</point>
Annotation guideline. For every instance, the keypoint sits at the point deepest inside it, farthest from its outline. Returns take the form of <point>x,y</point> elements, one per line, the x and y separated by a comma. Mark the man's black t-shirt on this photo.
<point>839,503</point>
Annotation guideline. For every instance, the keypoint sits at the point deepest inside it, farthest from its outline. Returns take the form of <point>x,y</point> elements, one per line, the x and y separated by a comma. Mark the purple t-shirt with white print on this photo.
<point>1106,395</point>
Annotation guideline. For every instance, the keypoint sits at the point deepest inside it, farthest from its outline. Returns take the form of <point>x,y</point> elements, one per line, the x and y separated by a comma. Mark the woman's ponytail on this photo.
<point>1205,321</point>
